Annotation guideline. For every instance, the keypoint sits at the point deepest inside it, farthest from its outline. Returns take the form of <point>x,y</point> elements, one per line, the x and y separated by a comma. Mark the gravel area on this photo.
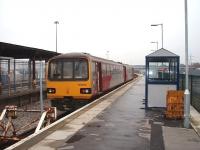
<point>25,118</point>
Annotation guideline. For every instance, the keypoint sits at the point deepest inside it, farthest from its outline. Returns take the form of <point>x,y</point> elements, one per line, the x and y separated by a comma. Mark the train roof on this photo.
<point>84,55</point>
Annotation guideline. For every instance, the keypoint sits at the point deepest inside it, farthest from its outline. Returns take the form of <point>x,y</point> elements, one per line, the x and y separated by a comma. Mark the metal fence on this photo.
<point>16,75</point>
<point>194,87</point>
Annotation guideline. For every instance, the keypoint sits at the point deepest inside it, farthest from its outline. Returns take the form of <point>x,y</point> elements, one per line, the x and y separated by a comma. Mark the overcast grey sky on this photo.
<point>121,27</point>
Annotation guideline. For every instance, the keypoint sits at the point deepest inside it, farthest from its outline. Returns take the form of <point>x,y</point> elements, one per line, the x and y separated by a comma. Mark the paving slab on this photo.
<point>180,139</point>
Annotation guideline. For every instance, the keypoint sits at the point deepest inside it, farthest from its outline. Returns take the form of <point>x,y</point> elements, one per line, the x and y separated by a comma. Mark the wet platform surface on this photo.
<point>122,126</point>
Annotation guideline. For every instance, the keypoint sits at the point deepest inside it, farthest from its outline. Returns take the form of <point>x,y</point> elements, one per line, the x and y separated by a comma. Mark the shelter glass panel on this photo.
<point>165,71</point>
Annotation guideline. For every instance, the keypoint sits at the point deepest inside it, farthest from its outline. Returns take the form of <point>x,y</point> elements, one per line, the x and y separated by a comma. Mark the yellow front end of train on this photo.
<point>68,79</point>
<point>69,89</point>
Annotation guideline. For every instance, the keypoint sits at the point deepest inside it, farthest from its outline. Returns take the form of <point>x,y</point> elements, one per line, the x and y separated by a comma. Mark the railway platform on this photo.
<point>119,122</point>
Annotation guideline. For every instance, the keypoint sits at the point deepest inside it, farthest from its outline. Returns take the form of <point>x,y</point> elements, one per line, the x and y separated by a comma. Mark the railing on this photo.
<point>17,75</point>
<point>194,87</point>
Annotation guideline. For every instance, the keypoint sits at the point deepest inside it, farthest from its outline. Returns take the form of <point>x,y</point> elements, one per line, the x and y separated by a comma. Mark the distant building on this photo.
<point>139,69</point>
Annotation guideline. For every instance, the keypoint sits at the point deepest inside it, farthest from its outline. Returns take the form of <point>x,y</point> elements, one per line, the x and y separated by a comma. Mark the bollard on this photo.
<point>187,109</point>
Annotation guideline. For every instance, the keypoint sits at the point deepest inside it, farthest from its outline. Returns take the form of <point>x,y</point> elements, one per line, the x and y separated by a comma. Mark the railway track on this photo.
<point>22,123</point>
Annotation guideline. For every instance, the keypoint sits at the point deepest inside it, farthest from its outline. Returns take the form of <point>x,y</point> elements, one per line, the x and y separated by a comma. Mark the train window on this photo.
<point>67,69</point>
<point>80,69</point>
<point>94,70</point>
<point>55,71</point>
<point>103,69</point>
<point>107,69</point>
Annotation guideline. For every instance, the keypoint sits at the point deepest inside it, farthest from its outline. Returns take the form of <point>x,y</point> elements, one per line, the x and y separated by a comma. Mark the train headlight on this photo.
<point>85,91</point>
<point>51,90</point>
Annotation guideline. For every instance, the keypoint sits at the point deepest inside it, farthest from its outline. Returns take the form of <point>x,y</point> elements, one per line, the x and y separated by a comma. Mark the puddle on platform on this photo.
<point>75,138</point>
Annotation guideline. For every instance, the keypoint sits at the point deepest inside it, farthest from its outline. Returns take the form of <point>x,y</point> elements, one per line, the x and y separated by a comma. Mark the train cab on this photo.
<point>69,77</point>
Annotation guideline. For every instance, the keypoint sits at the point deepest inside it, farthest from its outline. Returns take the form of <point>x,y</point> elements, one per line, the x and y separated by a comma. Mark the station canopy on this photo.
<point>163,53</point>
<point>23,52</point>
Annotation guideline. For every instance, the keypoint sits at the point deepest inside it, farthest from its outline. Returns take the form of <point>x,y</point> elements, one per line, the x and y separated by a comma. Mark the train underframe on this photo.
<point>68,103</point>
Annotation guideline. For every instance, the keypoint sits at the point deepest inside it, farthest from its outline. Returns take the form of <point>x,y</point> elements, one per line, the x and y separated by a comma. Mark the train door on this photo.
<point>125,74</point>
<point>100,77</point>
<point>97,77</point>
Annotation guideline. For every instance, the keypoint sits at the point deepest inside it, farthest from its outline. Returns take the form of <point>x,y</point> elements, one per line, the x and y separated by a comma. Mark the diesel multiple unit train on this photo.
<point>76,77</point>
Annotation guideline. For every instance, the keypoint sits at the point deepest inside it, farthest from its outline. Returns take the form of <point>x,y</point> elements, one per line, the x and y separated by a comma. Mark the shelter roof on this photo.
<point>23,52</point>
<point>162,53</point>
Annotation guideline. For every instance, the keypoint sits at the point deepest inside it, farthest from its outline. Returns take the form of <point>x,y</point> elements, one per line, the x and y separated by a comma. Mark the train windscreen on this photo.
<point>68,69</point>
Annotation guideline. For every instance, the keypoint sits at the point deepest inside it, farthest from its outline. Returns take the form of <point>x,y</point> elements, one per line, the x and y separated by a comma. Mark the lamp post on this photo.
<point>107,54</point>
<point>156,44</point>
<point>161,30</point>
<point>187,92</point>
<point>56,22</point>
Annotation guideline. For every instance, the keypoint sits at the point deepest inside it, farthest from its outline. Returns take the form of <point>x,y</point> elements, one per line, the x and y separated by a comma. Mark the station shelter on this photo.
<point>19,66</point>
<point>162,74</point>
